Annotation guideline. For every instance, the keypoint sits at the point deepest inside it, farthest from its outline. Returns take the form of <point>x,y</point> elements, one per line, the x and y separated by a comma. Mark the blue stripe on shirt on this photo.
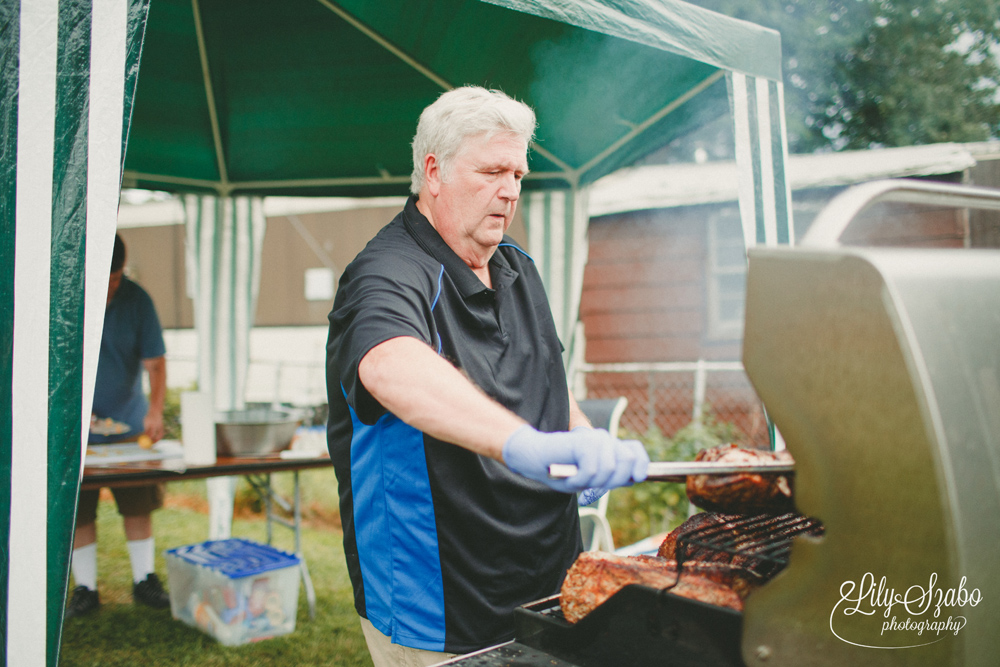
<point>435,303</point>
<point>396,533</point>
<point>517,248</point>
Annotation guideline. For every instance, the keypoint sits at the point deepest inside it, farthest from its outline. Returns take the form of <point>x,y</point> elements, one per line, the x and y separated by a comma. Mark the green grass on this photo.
<point>125,634</point>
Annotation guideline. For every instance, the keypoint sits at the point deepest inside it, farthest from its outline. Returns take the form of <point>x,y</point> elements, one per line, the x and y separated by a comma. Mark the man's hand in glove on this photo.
<point>601,460</point>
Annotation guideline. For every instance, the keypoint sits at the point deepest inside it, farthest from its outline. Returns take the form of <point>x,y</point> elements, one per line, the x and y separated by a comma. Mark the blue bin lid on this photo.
<point>235,557</point>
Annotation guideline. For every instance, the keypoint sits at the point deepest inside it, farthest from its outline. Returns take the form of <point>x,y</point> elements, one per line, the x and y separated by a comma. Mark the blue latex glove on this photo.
<point>602,461</point>
<point>590,496</point>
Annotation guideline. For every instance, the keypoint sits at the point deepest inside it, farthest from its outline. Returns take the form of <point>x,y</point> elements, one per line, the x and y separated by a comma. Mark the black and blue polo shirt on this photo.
<point>441,543</point>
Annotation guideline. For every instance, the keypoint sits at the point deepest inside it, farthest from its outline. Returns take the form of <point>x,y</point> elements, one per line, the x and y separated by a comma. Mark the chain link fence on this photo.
<point>669,396</point>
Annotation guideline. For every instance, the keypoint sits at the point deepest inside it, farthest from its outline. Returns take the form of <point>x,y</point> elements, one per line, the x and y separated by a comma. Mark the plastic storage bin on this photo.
<point>236,590</point>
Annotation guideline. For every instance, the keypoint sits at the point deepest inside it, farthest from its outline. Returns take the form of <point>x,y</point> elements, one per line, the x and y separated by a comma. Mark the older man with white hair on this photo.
<point>449,400</point>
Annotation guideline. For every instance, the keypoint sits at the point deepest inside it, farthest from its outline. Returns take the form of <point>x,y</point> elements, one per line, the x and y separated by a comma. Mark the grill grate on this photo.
<point>758,544</point>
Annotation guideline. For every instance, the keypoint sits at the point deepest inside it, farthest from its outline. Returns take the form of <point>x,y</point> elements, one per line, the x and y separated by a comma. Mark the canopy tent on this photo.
<point>312,97</point>
<point>303,97</point>
<point>320,98</point>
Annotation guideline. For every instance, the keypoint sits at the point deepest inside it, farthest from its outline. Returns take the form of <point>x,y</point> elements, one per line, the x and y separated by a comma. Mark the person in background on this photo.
<point>449,400</point>
<point>132,342</point>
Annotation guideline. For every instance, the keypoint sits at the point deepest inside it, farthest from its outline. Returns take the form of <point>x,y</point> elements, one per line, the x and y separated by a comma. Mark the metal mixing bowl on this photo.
<point>254,431</point>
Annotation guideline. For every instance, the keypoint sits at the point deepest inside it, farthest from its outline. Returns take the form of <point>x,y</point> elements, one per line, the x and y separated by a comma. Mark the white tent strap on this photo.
<point>108,52</point>
<point>782,183</point>
<point>27,585</point>
<point>761,154</point>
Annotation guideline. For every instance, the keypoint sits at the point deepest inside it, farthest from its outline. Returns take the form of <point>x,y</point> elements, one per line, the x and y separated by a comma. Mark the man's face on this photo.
<point>114,282</point>
<point>476,204</point>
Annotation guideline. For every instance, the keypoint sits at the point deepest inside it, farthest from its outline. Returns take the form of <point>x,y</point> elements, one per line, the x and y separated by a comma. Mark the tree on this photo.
<point>868,73</point>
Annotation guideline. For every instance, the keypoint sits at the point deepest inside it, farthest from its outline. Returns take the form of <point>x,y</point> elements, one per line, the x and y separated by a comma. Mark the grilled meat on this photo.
<point>596,576</point>
<point>753,546</point>
<point>731,576</point>
<point>697,524</point>
<point>742,493</point>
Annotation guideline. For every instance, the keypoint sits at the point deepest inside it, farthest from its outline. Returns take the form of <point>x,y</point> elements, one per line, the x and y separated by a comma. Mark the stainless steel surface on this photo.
<point>833,220</point>
<point>254,431</point>
<point>677,471</point>
<point>881,369</point>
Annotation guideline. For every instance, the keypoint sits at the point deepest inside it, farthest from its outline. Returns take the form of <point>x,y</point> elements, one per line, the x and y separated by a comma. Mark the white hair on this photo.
<point>462,113</point>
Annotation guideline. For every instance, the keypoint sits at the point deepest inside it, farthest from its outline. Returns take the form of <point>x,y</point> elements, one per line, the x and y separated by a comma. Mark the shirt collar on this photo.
<point>430,240</point>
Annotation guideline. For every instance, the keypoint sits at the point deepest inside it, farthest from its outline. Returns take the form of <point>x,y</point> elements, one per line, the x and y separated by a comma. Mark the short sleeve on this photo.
<point>374,306</point>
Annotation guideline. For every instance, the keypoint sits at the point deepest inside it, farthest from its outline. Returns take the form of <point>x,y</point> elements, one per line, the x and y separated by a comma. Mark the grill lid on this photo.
<point>881,368</point>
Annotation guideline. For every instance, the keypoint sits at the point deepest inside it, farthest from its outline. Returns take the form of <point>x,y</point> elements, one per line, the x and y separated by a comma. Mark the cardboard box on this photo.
<point>236,590</point>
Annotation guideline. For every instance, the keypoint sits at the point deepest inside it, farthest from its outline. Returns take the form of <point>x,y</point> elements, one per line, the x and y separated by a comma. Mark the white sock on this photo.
<point>141,554</point>
<point>84,562</point>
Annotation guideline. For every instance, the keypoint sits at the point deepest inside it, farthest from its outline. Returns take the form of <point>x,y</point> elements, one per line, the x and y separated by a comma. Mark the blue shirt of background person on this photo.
<point>132,333</point>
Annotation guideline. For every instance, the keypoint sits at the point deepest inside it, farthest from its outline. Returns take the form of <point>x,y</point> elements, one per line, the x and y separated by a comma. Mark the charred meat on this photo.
<point>596,576</point>
<point>753,545</point>
<point>742,493</point>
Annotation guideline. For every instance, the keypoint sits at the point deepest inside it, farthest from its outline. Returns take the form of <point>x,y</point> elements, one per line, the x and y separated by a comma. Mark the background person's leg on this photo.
<point>136,505</point>
<point>141,545</point>
<point>83,560</point>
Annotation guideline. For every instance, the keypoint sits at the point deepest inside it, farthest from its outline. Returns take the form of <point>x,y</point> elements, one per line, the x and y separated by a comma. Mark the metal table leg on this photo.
<point>306,579</point>
<point>261,484</point>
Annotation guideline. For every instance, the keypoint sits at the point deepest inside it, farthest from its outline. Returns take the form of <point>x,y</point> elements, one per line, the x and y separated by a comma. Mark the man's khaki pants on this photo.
<point>386,654</point>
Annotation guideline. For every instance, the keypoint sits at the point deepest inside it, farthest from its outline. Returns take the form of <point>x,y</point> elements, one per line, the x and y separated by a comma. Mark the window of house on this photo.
<point>727,274</point>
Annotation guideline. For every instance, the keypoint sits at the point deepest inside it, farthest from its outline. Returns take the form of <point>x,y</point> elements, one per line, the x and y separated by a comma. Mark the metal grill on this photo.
<point>758,544</point>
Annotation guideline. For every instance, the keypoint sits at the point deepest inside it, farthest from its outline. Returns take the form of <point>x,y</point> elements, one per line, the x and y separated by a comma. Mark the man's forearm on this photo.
<point>156,368</point>
<point>417,385</point>
<point>420,387</point>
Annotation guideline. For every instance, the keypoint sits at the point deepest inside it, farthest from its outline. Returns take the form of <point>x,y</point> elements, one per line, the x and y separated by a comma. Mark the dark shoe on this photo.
<point>150,593</point>
<point>84,601</point>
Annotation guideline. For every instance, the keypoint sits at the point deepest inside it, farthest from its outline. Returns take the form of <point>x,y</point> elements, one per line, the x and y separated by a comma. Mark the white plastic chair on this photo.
<point>603,413</point>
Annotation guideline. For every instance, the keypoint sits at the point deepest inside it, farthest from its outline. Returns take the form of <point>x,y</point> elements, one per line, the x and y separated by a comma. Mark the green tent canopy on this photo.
<point>314,97</point>
<point>235,100</point>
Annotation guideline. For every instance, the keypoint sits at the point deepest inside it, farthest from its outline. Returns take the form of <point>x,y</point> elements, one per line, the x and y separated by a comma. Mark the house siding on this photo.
<point>645,299</point>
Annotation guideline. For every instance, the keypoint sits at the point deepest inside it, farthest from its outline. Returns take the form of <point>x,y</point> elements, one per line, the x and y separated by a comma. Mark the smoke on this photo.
<point>583,79</point>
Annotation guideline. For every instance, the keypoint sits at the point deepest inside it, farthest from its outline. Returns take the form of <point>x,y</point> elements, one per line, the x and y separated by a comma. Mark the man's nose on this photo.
<point>510,187</point>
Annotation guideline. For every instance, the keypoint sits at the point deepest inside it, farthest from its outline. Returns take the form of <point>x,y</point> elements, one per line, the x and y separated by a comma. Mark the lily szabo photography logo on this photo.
<point>917,616</point>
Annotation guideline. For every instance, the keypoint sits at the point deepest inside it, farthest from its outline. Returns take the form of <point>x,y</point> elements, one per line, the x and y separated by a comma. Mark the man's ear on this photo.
<point>432,174</point>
